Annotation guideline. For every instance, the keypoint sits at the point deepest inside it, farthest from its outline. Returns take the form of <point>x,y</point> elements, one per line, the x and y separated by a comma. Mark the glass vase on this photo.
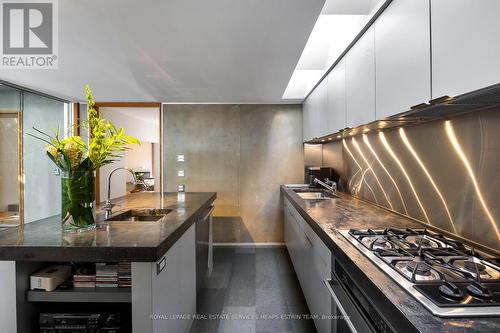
<point>78,201</point>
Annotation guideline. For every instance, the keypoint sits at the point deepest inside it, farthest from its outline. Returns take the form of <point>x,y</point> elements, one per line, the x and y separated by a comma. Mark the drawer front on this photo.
<point>312,262</point>
<point>315,290</point>
<point>294,243</point>
<point>319,247</point>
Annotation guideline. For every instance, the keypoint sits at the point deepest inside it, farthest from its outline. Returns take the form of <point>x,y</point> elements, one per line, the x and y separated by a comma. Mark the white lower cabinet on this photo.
<point>312,262</point>
<point>164,292</point>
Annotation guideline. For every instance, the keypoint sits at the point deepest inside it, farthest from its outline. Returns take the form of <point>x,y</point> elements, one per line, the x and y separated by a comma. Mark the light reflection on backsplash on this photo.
<point>443,173</point>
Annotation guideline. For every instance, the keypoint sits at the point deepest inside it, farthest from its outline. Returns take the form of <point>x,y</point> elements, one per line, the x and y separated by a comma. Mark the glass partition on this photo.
<point>42,194</point>
<point>29,181</point>
<point>10,152</point>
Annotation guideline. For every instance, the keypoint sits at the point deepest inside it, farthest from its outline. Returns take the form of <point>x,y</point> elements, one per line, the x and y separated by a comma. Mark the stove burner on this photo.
<point>381,243</point>
<point>422,241</point>
<point>451,291</point>
<point>479,291</point>
<point>418,268</point>
<point>450,278</point>
<point>471,266</point>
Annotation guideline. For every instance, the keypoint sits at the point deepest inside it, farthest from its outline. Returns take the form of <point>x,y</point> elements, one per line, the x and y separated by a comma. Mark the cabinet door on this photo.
<point>307,119</point>
<point>174,288</point>
<point>322,110</point>
<point>465,45</point>
<point>295,247</point>
<point>318,298</point>
<point>336,99</point>
<point>311,260</point>
<point>360,81</point>
<point>402,57</point>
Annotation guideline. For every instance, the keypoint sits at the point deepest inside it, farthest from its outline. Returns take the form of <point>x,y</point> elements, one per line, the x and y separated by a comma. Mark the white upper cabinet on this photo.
<point>360,81</point>
<point>315,111</point>
<point>323,112</point>
<point>402,57</point>
<point>336,98</point>
<point>307,110</point>
<point>465,45</point>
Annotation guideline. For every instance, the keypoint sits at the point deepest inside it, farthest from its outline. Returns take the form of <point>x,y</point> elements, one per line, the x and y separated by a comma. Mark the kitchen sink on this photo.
<point>140,215</point>
<point>315,194</point>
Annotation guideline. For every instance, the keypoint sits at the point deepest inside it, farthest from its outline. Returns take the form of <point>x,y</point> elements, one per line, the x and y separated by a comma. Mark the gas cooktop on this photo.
<point>449,278</point>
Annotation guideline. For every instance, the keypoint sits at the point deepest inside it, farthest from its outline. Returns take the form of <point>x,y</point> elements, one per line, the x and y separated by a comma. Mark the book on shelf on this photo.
<point>103,275</point>
<point>84,277</point>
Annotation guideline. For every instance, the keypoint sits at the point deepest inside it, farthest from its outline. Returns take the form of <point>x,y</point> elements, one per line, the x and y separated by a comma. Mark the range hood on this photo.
<point>438,108</point>
<point>446,106</point>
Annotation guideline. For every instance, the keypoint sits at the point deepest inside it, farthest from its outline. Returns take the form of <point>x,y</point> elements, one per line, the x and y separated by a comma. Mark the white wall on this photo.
<point>142,123</point>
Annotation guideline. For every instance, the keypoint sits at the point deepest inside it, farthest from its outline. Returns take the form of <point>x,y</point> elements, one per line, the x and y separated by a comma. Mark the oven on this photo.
<point>351,309</point>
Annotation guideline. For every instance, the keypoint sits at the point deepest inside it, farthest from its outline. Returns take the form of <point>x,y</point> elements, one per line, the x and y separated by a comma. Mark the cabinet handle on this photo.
<point>160,265</point>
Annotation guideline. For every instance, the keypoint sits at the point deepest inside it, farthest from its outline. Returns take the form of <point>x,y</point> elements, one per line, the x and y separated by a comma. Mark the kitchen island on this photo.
<point>161,253</point>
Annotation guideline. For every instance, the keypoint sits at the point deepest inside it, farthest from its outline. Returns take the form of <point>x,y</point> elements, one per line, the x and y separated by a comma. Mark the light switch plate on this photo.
<point>180,158</point>
<point>180,173</point>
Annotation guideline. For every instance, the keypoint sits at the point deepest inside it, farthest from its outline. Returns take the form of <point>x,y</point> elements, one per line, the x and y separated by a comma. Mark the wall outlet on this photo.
<point>181,187</point>
<point>180,173</point>
<point>180,158</point>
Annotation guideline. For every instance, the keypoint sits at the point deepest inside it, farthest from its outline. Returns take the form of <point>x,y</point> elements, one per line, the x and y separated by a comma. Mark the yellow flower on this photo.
<point>73,147</point>
<point>74,154</point>
<point>53,151</point>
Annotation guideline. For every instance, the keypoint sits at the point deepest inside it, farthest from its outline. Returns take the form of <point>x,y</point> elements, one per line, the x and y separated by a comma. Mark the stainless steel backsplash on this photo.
<point>443,173</point>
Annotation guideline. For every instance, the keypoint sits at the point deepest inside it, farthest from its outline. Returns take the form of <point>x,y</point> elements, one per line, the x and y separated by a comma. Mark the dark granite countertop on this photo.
<point>116,241</point>
<point>327,217</point>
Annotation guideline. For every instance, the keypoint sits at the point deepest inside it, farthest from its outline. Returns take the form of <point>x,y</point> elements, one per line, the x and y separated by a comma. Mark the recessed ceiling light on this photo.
<point>339,136</point>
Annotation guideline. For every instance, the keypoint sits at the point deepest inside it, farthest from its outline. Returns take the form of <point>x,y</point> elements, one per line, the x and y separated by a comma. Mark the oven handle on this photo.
<point>339,305</point>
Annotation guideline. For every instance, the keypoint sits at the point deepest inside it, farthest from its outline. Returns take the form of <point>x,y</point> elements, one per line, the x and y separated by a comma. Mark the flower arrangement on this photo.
<point>79,160</point>
<point>106,143</point>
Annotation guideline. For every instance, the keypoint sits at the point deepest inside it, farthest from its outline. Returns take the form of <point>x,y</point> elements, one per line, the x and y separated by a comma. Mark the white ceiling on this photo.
<point>181,51</point>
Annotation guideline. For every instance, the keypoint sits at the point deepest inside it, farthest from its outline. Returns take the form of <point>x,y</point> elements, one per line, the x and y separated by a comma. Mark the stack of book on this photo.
<point>124,275</point>
<point>84,277</point>
<point>106,275</point>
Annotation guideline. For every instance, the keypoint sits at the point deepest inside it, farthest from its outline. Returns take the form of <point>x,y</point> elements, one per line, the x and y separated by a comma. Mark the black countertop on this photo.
<point>116,241</point>
<point>327,217</point>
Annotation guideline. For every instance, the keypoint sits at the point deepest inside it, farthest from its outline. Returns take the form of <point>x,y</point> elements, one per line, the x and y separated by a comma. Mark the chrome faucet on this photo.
<point>108,206</point>
<point>330,185</point>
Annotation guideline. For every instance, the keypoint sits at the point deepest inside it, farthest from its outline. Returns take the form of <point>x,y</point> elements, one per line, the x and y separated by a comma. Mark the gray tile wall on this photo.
<point>242,152</point>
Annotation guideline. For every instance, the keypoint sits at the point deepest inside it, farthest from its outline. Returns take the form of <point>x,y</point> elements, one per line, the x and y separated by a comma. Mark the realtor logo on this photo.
<point>28,34</point>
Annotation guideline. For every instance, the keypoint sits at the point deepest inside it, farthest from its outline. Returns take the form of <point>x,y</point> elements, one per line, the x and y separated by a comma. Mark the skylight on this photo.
<point>337,25</point>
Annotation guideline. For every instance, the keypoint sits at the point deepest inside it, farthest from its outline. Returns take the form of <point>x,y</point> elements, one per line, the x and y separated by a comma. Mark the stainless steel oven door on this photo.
<point>346,315</point>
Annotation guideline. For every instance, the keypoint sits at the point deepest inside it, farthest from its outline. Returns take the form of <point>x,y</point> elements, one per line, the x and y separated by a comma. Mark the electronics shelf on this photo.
<point>82,295</point>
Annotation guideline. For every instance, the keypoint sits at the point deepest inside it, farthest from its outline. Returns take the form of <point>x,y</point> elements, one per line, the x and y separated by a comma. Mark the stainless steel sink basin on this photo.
<point>140,215</point>
<point>315,194</point>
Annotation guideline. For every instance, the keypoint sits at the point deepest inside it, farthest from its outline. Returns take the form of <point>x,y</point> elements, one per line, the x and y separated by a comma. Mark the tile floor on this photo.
<point>249,291</point>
